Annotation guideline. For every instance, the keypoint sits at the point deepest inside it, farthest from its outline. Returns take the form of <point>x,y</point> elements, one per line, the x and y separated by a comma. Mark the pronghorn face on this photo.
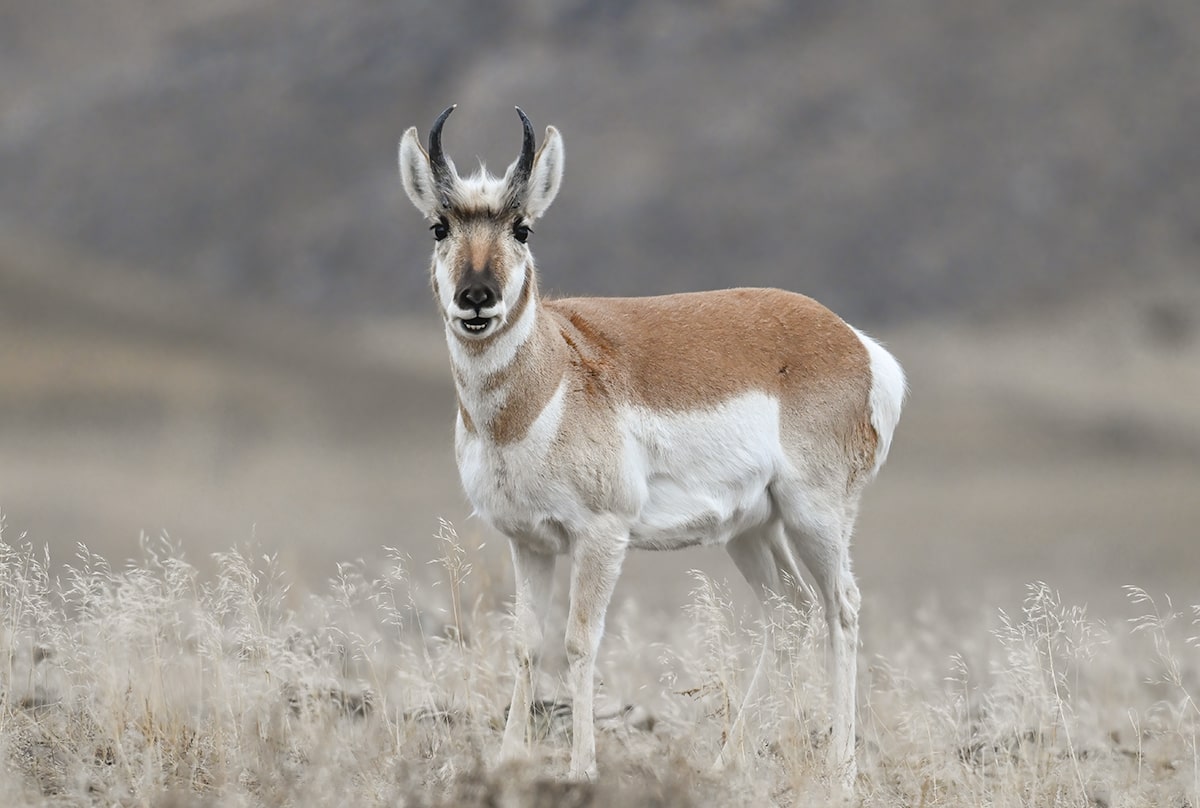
<point>481,226</point>
<point>480,264</point>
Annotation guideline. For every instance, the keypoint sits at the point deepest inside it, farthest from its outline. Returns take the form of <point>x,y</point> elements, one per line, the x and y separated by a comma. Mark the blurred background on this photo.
<point>214,310</point>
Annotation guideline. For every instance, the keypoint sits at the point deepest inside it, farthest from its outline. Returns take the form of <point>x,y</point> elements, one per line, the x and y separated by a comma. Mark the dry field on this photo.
<point>157,685</point>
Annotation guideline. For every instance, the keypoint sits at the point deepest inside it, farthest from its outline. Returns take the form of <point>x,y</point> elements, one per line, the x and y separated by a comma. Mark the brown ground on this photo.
<point>1059,445</point>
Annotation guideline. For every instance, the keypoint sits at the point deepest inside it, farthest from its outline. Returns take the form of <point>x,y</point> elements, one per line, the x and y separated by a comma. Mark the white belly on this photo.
<point>703,477</point>
<point>677,480</point>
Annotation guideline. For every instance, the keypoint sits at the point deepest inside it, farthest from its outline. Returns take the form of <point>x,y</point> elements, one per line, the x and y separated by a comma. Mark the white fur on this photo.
<point>888,388</point>
<point>702,477</point>
<point>516,280</point>
<point>445,289</point>
<point>675,490</point>
<point>481,190</point>
<point>546,176</point>
<point>416,175</point>
<point>508,485</point>
<point>483,403</point>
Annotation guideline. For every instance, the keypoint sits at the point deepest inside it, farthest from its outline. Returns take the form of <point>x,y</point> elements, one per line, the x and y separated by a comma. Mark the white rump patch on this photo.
<point>888,388</point>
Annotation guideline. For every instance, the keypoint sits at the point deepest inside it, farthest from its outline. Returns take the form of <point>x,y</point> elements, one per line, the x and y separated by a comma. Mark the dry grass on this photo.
<point>154,686</point>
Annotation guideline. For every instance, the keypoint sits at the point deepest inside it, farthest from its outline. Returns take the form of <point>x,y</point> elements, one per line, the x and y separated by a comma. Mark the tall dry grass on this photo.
<point>155,685</point>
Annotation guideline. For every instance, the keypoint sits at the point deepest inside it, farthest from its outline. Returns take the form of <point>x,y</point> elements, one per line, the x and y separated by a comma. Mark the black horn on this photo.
<point>437,158</point>
<point>525,161</point>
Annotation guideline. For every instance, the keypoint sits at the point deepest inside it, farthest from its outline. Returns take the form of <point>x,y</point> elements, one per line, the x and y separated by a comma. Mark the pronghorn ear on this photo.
<point>546,176</point>
<point>417,174</point>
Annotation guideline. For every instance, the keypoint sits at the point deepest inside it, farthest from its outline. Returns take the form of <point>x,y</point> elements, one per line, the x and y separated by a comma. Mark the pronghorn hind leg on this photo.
<point>596,559</point>
<point>534,576</point>
<point>825,551</point>
<point>765,559</point>
<point>796,590</point>
<point>753,555</point>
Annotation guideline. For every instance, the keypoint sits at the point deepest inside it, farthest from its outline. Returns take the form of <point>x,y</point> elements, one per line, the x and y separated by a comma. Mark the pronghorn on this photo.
<point>750,418</point>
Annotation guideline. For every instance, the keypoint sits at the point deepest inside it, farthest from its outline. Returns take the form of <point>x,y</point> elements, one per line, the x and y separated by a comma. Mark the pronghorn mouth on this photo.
<point>476,325</point>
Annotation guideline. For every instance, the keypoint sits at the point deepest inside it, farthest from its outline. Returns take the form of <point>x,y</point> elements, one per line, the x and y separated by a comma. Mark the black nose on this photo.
<point>477,295</point>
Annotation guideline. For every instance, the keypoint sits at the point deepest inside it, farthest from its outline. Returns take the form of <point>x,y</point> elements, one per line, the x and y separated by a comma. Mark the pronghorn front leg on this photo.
<point>595,565</point>
<point>534,576</point>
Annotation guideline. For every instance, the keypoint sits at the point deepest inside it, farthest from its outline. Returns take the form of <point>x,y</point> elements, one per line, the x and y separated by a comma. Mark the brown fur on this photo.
<point>690,351</point>
<point>534,375</point>
<point>674,352</point>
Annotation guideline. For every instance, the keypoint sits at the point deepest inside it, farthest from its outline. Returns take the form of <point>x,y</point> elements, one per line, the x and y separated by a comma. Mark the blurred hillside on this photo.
<point>891,159</point>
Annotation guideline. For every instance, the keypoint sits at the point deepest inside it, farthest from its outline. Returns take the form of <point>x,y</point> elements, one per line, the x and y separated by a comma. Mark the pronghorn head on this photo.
<point>481,260</point>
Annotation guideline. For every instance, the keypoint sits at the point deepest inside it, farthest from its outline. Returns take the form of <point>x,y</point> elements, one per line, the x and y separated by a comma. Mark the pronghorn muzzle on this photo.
<point>477,302</point>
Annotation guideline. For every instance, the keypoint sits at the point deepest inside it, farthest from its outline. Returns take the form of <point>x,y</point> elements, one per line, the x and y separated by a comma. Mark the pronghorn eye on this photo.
<point>521,232</point>
<point>440,230</point>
